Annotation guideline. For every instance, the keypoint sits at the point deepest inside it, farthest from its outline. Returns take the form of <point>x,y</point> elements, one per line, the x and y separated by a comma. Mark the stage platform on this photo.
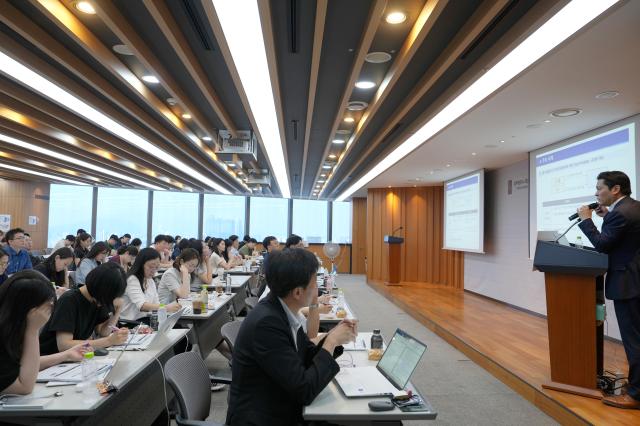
<point>509,343</point>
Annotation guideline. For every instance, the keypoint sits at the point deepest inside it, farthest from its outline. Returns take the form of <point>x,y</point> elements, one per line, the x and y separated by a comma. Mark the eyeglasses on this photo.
<point>4,263</point>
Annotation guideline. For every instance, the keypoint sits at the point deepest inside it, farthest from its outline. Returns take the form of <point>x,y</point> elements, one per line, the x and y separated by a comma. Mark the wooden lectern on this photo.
<point>575,340</point>
<point>393,258</point>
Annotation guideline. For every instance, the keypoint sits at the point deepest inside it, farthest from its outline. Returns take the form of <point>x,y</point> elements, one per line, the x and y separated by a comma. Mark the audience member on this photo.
<point>28,246</point>
<point>4,262</point>
<point>65,242</point>
<point>204,272</point>
<point>123,241</point>
<point>217,259</point>
<point>125,257</point>
<point>91,310</point>
<point>294,241</point>
<point>269,244</point>
<point>95,257</point>
<point>54,268</point>
<point>111,244</point>
<point>248,249</point>
<point>18,257</point>
<point>81,231</point>
<point>176,281</point>
<point>162,244</point>
<point>141,296</point>
<point>81,248</point>
<point>276,368</point>
<point>137,243</point>
<point>26,300</point>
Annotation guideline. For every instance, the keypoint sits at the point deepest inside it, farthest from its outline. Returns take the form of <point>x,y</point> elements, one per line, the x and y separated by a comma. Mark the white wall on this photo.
<point>504,272</point>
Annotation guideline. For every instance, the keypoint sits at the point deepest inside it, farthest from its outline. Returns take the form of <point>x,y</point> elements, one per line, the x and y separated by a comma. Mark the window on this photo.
<point>269,216</point>
<point>341,223</point>
<point>69,209</point>
<point>175,213</point>
<point>310,220</point>
<point>122,211</point>
<point>223,215</point>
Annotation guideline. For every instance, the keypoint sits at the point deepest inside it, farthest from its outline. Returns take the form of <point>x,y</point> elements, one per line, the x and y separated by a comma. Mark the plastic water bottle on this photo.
<point>340,299</point>
<point>376,339</point>
<point>228,284</point>
<point>89,379</point>
<point>162,314</point>
<point>579,241</point>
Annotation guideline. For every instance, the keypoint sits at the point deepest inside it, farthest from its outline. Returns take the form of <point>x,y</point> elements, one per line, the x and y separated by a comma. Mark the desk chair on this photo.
<point>187,375</point>
<point>251,302</point>
<point>230,333</point>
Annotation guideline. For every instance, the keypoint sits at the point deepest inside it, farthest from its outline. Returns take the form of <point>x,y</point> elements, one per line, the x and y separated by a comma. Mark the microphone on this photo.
<point>592,206</point>
<point>396,230</point>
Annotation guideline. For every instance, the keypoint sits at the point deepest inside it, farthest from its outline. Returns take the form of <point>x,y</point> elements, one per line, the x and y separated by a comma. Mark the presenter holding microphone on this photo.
<point>620,239</point>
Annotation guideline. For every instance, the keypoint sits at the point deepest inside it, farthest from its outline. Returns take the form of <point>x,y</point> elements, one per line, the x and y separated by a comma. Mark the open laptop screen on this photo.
<point>401,358</point>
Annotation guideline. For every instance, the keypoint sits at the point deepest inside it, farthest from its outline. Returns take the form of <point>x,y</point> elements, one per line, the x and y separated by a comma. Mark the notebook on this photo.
<point>390,375</point>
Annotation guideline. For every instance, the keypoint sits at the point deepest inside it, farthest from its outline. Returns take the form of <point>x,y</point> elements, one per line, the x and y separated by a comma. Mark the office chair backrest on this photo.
<point>251,302</point>
<point>230,333</point>
<point>188,376</point>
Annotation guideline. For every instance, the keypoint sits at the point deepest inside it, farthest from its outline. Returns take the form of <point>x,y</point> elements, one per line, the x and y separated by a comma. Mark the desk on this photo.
<point>331,405</point>
<point>330,320</point>
<point>206,327</point>
<point>140,397</point>
<point>239,286</point>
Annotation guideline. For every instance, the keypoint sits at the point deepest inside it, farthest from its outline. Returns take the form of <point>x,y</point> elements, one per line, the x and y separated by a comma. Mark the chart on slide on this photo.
<point>463,215</point>
<point>566,177</point>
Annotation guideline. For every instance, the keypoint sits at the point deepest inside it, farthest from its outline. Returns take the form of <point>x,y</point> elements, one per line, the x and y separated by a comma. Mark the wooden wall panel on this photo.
<point>359,236</point>
<point>420,212</point>
<point>22,199</point>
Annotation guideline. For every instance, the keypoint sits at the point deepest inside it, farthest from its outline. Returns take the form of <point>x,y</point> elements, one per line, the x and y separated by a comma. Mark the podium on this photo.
<point>393,258</point>
<point>574,284</point>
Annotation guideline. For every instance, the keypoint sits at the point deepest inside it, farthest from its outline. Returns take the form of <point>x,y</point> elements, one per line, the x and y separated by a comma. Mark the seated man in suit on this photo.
<point>276,369</point>
<point>620,239</point>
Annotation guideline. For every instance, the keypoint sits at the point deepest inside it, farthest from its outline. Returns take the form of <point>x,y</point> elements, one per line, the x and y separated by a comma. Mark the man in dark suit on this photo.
<point>276,368</point>
<point>620,239</point>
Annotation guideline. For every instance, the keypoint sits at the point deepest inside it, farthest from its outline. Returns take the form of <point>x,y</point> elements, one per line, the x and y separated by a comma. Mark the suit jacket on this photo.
<point>620,239</point>
<point>272,380</point>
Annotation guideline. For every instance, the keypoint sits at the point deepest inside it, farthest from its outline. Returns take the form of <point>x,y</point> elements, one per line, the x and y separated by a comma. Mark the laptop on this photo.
<point>390,375</point>
<point>140,342</point>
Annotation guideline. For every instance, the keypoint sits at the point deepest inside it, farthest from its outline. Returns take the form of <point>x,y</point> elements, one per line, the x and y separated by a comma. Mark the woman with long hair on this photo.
<point>26,300</point>
<point>95,257</point>
<point>176,281</point>
<point>55,266</point>
<point>81,246</point>
<point>141,296</point>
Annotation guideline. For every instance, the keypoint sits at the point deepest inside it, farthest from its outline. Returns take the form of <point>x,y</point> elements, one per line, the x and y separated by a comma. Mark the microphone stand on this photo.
<point>568,229</point>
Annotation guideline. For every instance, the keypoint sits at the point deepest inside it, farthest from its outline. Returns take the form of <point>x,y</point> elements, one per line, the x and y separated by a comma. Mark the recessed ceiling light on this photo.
<point>242,30</point>
<point>502,141</point>
<point>326,167</point>
<point>448,165</point>
<point>206,138</point>
<point>547,121</point>
<point>365,84</point>
<point>556,30</point>
<point>377,57</point>
<point>609,94</point>
<point>431,172</point>
<point>414,186</point>
<point>349,120</point>
<point>186,116</point>
<point>172,101</point>
<point>85,7</point>
<point>389,186</point>
<point>473,153</point>
<point>396,18</point>
<point>343,132</point>
<point>338,141</point>
<point>323,175</point>
<point>150,79</point>
<point>321,181</point>
<point>357,105</point>
<point>565,112</point>
<point>122,49</point>
<point>46,88</point>
<point>332,156</point>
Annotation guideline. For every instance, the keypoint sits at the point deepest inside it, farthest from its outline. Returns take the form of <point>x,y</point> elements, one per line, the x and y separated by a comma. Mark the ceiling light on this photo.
<point>396,18</point>
<point>332,156</point>
<point>323,175</point>
<point>206,138</point>
<point>85,7</point>
<point>243,32</point>
<point>122,49</point>
<point>150,79</point>
<point>365,84</point>
<point>338,141</point>
<point>570,19</point>
<point>473,153</point>
<point>172,101</point>
<point>448,165</point>
<point>326,167</point>
<point>35,81</point>
<point>502,141</point>
<point>343,132</point>
<point>33,172</point>
<point>321,181</point>
<point>357,105</point>
<point>186,116</point>
<point>349,120</point>
<point>72,160</point>
<point>609,94</point>
<point>565,112</point>
<point>547,121</point>
<point>377,57</point>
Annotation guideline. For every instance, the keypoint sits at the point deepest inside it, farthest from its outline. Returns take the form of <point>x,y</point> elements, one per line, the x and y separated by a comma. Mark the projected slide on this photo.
<point>566,176</point>
<point>463,212</point>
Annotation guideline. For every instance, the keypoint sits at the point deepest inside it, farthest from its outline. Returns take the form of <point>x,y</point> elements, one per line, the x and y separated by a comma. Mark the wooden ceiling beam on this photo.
<point>486,12</point>
<point>171,31</point>
<point>318,36</point>
<point>423,25</point>
<point>373,22</point>
<point>19,161</point>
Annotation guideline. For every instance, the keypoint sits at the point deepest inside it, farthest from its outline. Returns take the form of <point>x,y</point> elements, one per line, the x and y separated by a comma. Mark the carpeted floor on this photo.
<point>460,391</point>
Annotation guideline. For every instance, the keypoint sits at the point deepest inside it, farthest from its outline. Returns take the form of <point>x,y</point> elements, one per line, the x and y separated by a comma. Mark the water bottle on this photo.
<point>153,320</point>
<point>204,299</point>
<point>228,284</point>
<point>162,314</point>
<point>579,242</point>
<point>340,299</point>
<point>89,370</point>
<point>376,339</point>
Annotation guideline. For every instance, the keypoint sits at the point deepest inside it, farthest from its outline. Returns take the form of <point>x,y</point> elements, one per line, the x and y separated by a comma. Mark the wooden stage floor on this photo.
<point>510,344</point>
